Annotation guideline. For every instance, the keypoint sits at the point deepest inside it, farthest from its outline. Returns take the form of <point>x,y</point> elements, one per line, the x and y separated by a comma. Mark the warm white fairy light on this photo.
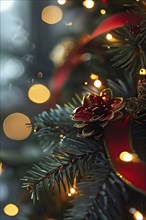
<point>88,4</point>
<point>97,83</point>
<point>61,2</point>
<point>93,76</point>
<point>142,71</point>
<point>125,156</point>
<point>138,216</point>
<point>72,192</point>
<point>103,11</point>
<point>109,36</point>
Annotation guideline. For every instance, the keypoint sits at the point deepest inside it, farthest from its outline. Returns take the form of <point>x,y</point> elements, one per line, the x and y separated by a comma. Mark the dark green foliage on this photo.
<point>128,52</point>
<point>53,125</point>
<point>100,196</point>
<point>100,192</point>
<point>63,166</point>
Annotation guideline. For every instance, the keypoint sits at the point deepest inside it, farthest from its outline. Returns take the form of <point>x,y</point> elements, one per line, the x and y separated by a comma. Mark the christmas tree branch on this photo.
<point>68,162</point>
<point>51,126</point>
<point>98,198</point>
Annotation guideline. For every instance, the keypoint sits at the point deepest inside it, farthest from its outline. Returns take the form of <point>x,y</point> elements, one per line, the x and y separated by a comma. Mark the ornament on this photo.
<point>96,111</point>
<point>136,105</point>
<point>117,136</point>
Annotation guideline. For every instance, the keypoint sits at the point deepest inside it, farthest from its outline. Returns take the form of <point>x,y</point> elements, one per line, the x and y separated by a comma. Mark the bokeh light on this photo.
<point>17,126</point>
<point>52,14</point>
<point>11,210</point>
<point>88,4</point>
<point>142,71</point>
<point>61,2</point>
<point>72,191</point>
<point>97,83</point>
<point>138,216</point>
<point>61,51</point>
<point>6,5</point>
<point>103,11</point>
<point>38,93</point>
<point>12,68</point>
<point>93,76</point>
<point>125,156</point>
<point>109,37</point>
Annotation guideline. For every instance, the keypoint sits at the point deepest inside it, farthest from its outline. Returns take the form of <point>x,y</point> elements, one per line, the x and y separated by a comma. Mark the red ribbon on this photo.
<point>116,136</point>
<point>114,21</point>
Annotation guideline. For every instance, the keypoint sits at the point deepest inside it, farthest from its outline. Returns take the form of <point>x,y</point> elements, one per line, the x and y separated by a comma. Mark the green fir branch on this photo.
<point>100,196</point>
<point>60,170</point>
<point>53,125</point>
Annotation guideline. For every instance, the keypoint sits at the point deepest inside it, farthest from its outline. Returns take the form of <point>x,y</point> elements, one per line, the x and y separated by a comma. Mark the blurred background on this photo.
<point>36,38</point>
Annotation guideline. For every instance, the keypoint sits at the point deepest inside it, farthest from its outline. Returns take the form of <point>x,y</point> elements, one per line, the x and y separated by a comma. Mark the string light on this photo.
<point>109,37</point>
<point>103,11</point>
<point>88,4</point>
<point>93,76</point>
<point>72,191</point>
<point>142,71</point>
<point>52,14</point>
<point>97,83</point>
<point>125,156</point>
<point>11,210</point>
<point>85,83</point>
<point>61,2</point>
<point>16,126</point>
<point>137,215</point>
<point>38,93</point>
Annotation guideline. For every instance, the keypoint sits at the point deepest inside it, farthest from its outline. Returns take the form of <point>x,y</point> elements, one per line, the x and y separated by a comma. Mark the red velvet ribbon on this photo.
<point>114,21</point>
<point>117,140</point>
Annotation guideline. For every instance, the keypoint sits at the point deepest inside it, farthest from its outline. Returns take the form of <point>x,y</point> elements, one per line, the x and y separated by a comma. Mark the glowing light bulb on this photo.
<point>72,191</point>
<point>137,215</point>
<point>126,157</point>
<point>86,83</point>
<point>103,11</point>
<point>6,5</point>
<point>97,83</point>
<point>11,210</point>
<point>39,93</point>
<point>93,76</point>
<point>61,2</point>
<point>88,4</point>
<point>109,37</point>
<point>142,71</point>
